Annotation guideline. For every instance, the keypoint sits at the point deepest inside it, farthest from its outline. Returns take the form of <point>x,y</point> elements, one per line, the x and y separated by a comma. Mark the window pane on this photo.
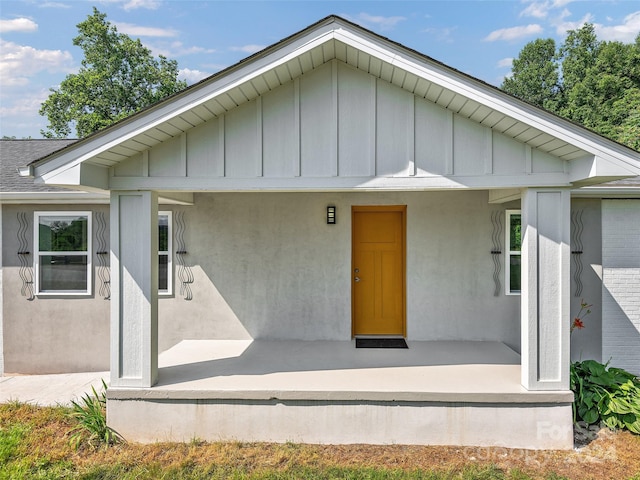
<point>515,235</point>
<point>63,233</point>
<point>63,272</point>
<point>163,231</point>
<point>163,272</point>
<point>514,275</point>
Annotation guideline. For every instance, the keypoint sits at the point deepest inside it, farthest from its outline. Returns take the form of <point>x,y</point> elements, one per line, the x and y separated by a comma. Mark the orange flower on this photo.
<point>585,309</point>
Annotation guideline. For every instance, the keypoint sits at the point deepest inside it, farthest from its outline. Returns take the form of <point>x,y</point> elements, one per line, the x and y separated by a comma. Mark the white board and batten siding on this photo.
<point>340,122</point>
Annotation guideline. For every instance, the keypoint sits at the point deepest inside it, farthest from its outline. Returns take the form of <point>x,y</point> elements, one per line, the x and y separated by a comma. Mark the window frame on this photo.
<point>510,253</point>
<point>39,253</point>
<point>168,253</point>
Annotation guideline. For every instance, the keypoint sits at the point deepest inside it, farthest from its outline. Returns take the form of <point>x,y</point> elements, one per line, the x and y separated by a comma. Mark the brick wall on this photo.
<point>621,283</point>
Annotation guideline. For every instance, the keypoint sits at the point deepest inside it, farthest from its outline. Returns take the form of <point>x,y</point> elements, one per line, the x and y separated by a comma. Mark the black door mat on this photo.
<point>381,343</point>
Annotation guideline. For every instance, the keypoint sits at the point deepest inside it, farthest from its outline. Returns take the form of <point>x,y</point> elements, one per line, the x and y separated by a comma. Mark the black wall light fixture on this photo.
<point>331,215</point>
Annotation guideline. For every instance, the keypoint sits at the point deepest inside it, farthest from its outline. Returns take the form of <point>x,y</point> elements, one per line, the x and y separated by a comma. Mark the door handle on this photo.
<point>357,279</point>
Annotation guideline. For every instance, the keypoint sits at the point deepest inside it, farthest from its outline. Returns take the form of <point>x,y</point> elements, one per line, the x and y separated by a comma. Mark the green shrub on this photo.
<point>609,395</point>
<point>91,415</point>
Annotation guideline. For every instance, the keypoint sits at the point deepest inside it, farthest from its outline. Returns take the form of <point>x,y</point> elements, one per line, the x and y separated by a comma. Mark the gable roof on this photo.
<point>336,38</point>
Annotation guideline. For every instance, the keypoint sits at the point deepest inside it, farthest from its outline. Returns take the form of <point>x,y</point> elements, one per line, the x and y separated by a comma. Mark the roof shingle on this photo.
<point>19,153</point>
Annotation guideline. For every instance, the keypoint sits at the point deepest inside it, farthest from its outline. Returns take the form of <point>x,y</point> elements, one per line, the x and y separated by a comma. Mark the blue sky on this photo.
<point>477,37</point>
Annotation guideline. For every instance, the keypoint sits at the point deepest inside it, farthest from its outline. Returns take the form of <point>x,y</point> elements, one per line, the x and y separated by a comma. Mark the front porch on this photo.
<point>445,392</point>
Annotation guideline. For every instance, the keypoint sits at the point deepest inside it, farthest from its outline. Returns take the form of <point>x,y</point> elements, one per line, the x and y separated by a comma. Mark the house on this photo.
<point>336,185</point>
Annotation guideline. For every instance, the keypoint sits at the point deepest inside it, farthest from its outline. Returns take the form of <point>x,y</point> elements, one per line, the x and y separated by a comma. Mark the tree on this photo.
<point>534,73</point>
<point>597,83</point>
<point>578,55</point>
<point>118,77</point>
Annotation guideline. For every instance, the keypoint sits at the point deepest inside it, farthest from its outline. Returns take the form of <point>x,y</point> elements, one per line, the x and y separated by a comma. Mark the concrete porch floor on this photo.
<point>314,370</point>
<point>445,392</point>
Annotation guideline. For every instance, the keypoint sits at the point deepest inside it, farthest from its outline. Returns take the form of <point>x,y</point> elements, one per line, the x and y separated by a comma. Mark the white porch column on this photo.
<point>134,289</point>
<point>545,289</point>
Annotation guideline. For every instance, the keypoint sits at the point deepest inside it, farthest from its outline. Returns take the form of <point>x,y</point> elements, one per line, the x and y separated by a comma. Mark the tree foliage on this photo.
<point>534,73</point>
<point>118,77</point>
<point>594,83</point>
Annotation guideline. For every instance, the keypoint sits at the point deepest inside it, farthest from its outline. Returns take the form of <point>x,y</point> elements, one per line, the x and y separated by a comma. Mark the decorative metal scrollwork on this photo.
<point>576,252</point>
<point>496,249</point>
<point>102,252</point>
<point>185,275</point>
<point>25,271</point>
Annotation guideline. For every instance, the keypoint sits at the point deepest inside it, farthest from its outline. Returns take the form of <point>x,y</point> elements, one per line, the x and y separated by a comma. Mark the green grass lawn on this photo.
<point>35,442</point>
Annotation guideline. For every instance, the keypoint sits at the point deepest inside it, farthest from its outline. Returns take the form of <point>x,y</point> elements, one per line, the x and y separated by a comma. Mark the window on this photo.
<point>62,243</point>
<point>63,253</point>
<point>513,243</point>
<point>165,278</point>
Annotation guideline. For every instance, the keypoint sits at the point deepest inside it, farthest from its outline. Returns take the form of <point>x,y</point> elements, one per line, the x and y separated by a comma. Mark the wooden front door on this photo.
<point>378,270</point>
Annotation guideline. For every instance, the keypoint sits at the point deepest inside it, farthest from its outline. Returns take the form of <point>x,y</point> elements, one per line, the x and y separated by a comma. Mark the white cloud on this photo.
<point>536,9</point>
<point>442,34</point>
<point>248,48</point>
<point>141,31</point>
<point>541,9</point>
<point>563,27</point>
<point>135,4</point>
<point>514,33</point>
<point>14,80</point>
<point>19,112</point>
<point>18,25</point>
<point>562,15</point>
<point>25,105</point>
<point>177,49</point>
<point>19,62</point>
<point>561,3</point>
<point>505,62</point>
<point>626,32</point>
<point>373,21</point>
<point>53,5</point>
<point>192,76</point>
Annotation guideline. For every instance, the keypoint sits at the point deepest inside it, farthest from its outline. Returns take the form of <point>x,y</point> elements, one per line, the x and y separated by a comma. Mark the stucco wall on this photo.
<point>49,334</point>
<point>268,266</point>
<point>587,342</point>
